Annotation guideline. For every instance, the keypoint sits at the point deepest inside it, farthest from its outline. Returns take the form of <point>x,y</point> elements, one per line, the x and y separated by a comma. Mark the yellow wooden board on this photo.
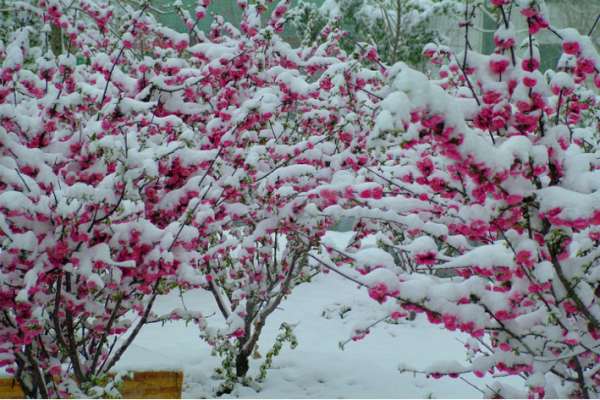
<point>144,385</point>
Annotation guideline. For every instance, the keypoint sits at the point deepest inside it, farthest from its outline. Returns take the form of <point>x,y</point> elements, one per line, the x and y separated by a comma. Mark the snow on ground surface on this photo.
<point>317,368</point>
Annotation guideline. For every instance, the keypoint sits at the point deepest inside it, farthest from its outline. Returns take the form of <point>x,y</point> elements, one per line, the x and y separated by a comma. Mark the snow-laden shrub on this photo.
<point>491,171</point>
<point>96,178</point>
<point>133,164</point>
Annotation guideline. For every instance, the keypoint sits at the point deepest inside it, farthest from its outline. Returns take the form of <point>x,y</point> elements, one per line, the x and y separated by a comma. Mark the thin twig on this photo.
<point>468,81</point>
<point>24,183</point>
<point>366,91</point>
<point>365,50</point>
<point>470,384</point>
<point>593,26</point>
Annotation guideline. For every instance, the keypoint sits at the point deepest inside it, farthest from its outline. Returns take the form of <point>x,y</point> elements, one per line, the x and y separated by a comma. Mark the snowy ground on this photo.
<point>317,368</point>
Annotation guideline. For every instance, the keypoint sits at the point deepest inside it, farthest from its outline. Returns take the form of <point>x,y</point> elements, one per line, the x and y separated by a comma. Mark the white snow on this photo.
<point>326,312</point>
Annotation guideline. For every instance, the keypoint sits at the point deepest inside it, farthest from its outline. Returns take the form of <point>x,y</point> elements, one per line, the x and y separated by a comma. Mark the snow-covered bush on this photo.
<point>133,164</point>
<point>287,124</point>
<point>98,171</point>
<point>490,171</point>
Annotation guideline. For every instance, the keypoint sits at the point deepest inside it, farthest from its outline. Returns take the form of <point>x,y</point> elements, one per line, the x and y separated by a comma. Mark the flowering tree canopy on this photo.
<point>279,127</point>
<point>490,171</point>
<point>134,163</point>
<point>98,174</point>
<point>136,160</point>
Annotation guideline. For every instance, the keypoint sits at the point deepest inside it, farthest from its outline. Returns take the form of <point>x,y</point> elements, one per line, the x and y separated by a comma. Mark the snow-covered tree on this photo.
<point>97,172</point>
<point>283,134</point>
<point>133,164</point>
<point>490,171</point>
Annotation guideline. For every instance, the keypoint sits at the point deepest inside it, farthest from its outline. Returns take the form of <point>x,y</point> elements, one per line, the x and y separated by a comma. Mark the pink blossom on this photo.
<point>529,82</point>
<point>377,193</point>
<point>570,47</point>
<point>570,307</point>
<point>378,292</point>
<point>586,65</point>
<point>238,333</point>
<point>502,315</point>
<point>528,12</point>
<point>365,194</point>
<point>398,314</point>
<point>449,322</point>
<point>428,258</point>
<point>359,334</point>
<point>505,347</point>
<point>572,342</point>
<point>499,66</point>
<point>530,65</point>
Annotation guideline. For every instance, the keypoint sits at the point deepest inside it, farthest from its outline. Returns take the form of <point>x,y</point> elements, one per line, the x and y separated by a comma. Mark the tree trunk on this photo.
<point>56,40</point>
<point>241,364</point>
